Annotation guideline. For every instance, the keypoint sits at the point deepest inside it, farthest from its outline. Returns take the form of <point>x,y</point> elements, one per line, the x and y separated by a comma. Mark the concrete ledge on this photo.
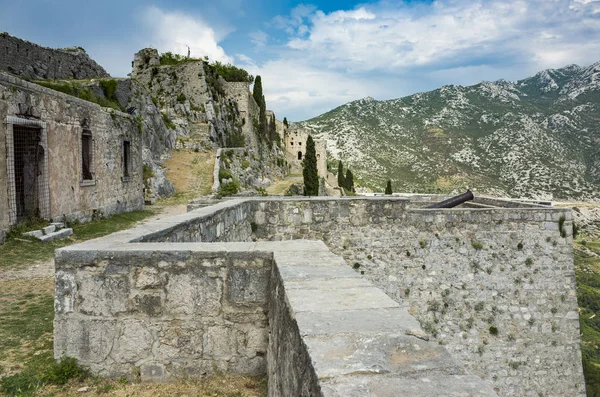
<point>354,339</point>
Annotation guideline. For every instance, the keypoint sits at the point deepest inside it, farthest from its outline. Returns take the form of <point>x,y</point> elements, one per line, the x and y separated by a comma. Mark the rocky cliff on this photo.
<point>22,58</point>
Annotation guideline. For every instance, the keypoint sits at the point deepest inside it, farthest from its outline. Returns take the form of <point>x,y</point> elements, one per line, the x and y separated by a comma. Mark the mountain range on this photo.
<point>536,138</point>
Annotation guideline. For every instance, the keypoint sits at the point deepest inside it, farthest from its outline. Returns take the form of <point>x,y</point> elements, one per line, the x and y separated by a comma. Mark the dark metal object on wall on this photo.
<point>454,201</point>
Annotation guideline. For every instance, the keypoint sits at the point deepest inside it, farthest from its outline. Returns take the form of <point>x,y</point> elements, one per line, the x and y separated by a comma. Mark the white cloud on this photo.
<point>297,90</point>
<point>174,31</point>
<point>422,46</point>
<point>259,38</point>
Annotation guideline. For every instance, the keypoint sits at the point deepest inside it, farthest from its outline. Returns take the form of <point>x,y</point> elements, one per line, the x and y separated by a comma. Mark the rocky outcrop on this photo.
<point>25,59</point>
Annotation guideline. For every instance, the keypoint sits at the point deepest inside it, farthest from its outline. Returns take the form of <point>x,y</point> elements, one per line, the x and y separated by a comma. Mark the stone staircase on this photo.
<point>54,231</point>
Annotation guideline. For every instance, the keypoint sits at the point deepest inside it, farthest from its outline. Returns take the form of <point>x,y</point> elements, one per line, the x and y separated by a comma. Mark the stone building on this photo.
<point>64,158</point>
<point>295,150</point>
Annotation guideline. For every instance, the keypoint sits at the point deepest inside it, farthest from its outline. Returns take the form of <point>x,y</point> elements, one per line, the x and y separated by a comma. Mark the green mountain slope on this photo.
<point>534,138</point>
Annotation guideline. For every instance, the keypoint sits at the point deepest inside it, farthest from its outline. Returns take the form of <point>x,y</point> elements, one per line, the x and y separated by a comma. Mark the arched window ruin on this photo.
<point>299,155</point>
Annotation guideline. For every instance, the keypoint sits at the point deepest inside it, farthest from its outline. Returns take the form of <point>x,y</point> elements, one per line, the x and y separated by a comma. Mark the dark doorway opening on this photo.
<point>299,155</point>
<point>27,160</point>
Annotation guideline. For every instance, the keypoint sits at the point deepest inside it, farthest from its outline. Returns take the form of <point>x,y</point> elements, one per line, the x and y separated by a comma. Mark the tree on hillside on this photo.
<point>285,122</point>
<point>262,119</point>
<point>349,185</point>
<point>388,188</point>
<point>272,129</point>
<point>340,175</point>
<point>257,92</point>
<point>310,173</point>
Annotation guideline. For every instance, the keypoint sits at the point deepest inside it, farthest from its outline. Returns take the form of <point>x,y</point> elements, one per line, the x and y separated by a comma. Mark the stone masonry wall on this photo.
<point>27,59</point>
<point>223,224</point>
<point>152,314</point>
<point>495,286</point>
<point>65,118</point>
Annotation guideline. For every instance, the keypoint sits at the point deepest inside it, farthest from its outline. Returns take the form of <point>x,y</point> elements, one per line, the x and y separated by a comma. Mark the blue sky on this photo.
<point>317,55</point>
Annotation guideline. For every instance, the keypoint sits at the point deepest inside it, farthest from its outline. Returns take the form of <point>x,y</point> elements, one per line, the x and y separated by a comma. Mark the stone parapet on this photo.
<point>472,301</point>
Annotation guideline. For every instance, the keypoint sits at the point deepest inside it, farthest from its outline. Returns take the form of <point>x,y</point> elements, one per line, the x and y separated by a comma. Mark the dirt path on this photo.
<point>45,270</point>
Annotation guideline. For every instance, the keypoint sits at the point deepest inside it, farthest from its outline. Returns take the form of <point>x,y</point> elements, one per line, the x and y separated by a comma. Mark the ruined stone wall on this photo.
<point>159,314</point>
<point>248,170</point>
<point>220,224</point>
<point>295,142</point>
<point>495,286</point>
<point>27,59</point>
<point>248,108</point>
<point>65,118</point>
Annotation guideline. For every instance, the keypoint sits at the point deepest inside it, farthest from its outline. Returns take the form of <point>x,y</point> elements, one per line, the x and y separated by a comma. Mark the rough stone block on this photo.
<point>89,340</point>
<point>34,233</point>
<point>193,294</point>
<point>248,286</point>
<point>134,342</point>
<point>62,233</point>
<point>101,295</point>
<point>147,277</point>
<point>49,229</point>
<point>153,372</point>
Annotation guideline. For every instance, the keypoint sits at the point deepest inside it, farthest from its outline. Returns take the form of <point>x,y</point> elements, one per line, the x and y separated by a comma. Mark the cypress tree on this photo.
<point>309,172</point>
<point>388,188</point>
<point>257,92</point>
<point>349,181</point>
<point>273,129</point>
<point>285,122</point>
<point>262,120</point>
<point>340,175</point>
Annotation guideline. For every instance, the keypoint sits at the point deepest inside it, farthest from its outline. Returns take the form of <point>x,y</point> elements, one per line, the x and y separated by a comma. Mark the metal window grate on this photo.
<point>27,169</point>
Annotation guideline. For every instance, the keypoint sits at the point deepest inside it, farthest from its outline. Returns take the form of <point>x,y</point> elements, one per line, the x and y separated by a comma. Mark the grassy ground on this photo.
<point>280,186</point>
<point>587,269</point>
<point>27,366</point>
<point>191,173</point>
<point>22,252</point>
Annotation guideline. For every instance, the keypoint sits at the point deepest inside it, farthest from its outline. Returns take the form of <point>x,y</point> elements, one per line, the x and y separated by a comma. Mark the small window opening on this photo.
<point>86,155</point>
<point>126,158</point>
<point>299,155</point>
<point>292,143</point>
<point>299,143</point>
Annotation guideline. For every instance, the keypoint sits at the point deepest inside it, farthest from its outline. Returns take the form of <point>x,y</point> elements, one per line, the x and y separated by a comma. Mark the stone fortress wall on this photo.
<point>295,146</point>
<point>493,287</point>
<point>30,60</point>
<point>62,119</point>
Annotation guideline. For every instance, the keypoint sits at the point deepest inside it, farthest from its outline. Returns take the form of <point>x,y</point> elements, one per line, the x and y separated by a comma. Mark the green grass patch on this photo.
<point>587,270</point>
<point>19,253</point>
<point>79,90</point>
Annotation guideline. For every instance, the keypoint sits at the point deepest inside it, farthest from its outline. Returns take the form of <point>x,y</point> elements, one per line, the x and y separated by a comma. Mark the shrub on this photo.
<point>388,187</point>
<point>181,97</point>
<point>168,122</point>
<point>493,330</point>
<point>232,73</point>
<point>224,173</point>
<point>476,244</point>
<point>561,226</point>
<point>109,87</point>
<point>228,189</point>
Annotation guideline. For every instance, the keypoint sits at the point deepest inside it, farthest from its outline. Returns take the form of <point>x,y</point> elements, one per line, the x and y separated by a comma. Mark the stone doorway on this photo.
<point>27,170</point>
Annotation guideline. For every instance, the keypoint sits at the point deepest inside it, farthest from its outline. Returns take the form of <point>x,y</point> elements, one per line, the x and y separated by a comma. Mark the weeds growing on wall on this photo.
<point>77,89</point>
